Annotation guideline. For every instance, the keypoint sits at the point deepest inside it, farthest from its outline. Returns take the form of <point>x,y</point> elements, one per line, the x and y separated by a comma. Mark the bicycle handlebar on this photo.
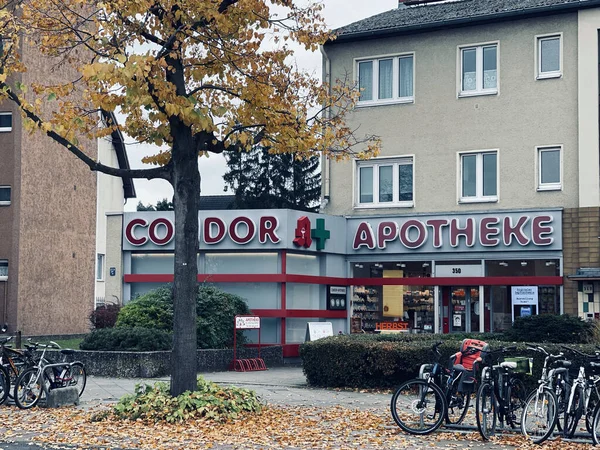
<point>574,350</point>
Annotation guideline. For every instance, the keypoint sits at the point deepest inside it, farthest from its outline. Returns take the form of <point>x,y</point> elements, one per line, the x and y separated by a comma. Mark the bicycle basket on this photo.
<point>524,365</point>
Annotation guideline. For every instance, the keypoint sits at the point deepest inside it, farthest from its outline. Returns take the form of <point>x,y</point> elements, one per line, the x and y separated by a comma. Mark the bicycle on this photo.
<point>39,380</point>
<point>545,404</point>
<point>424,398</point>
<point>501,395</point>
<point>15,361</point>
<point>584,395</point>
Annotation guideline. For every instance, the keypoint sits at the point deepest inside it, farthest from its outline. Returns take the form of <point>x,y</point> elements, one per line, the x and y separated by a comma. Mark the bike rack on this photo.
<point>246,364</point>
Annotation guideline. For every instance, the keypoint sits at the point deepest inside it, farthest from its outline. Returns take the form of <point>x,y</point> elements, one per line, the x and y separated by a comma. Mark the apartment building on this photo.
<point>489,170</point>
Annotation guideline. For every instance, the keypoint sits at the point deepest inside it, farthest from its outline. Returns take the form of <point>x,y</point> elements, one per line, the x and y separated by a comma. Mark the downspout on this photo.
<point>325,161</point>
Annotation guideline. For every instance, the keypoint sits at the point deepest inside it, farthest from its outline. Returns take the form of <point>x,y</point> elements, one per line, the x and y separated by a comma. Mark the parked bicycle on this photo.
<point>546,404</point>
<point>36,382</point>
<point>584,394</point>
<point>420,406</point>
<point>16,360</point>
<point>501,396</point>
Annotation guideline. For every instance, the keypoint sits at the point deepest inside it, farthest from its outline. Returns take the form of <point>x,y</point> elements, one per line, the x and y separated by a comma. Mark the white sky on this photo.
<point>337,13</point>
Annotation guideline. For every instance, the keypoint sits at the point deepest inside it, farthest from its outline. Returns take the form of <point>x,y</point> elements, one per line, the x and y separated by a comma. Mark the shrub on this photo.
<point>563,329</point>
<point>127,339</point>
<point>215,310</point>
<point>210,401</point>
<point>371,361</point>
<point>104,316</point>
<point>151,310</point>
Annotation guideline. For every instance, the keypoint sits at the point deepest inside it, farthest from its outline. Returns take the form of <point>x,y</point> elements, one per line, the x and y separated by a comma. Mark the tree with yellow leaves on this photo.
<point>192,77</point>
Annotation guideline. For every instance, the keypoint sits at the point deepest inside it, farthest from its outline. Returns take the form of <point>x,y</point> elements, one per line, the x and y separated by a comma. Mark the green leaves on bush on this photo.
<point>375,361</point>
<point>127,339</point>
<point>563,329</point>
<point>215,310</point>
<point>210,401</point>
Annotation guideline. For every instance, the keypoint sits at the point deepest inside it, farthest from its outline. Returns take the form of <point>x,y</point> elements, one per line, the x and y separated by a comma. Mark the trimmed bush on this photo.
<point>209,401</point>
<point>371,361</point>
<point>127,339</point>
<point>104,316</point>
<point>215,310</point>
<point>563,329</point>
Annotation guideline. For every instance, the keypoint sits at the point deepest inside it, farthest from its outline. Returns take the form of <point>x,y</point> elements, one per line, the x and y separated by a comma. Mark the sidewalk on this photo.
<point>278,386</point>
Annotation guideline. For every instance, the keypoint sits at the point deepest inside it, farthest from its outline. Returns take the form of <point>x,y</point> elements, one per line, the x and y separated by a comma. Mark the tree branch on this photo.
<point>163,172</point>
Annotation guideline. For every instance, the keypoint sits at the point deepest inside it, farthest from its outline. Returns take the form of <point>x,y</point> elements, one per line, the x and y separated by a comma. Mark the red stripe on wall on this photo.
<point>283,278</point>
<point>306,313</point>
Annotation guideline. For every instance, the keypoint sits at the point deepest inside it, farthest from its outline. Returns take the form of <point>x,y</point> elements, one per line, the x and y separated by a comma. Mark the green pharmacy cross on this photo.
<point>320,234</point>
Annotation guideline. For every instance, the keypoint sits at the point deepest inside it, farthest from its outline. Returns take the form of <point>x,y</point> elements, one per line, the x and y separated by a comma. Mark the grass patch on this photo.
<point>69,343</point>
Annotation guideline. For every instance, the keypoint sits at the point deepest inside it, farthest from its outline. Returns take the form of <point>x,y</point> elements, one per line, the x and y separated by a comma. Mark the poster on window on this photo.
<point>524,301</point>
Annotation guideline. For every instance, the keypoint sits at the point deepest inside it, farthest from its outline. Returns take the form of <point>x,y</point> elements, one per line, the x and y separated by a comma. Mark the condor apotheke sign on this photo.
<point>239,230</point>
<point>529,230</point>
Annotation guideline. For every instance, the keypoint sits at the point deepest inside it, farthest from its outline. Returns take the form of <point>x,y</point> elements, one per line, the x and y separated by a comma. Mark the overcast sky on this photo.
<point>337,13</point>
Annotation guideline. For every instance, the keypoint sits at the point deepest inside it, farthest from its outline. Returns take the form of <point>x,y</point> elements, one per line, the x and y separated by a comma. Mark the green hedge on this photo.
<point>127,339</point>
<point>385,361</point>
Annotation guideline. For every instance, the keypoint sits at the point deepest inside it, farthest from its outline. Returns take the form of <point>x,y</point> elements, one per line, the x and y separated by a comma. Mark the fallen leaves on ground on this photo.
<point>275,427</point>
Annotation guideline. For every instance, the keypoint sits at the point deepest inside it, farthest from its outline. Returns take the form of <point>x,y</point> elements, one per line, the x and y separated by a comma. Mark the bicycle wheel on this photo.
<point>561,390</point>
<point>28,389</point>
<point>485,410</point>
<point>539,415</point>
<point>589,411</point>
<point>4,384</point>
<point>457,405</point>
<point>574,413</point>
<point>418,407</point>
<point>76,377</point>
<point>596,425</point>
<point>516,396</point>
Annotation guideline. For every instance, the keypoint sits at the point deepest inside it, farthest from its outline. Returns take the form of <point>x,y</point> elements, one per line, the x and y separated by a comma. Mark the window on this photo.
<point>479,70</point>
<point>4,195</point>
<point>386,80</point>
<point>3,270</point>
<point>385,182</point>
<point>5,121</point>
<point>549,168</point>
<point>479,177</point>
<point>100,268</point>
<point>549,58</point>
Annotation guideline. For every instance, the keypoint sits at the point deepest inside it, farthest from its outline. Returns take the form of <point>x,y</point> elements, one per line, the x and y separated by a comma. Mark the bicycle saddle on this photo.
<point>562,363</point>
<point>508,365</point>
<point>67,351</point>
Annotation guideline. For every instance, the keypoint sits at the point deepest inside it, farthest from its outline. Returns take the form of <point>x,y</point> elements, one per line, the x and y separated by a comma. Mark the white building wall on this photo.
<point>589,161</point>
<point>110,199</point>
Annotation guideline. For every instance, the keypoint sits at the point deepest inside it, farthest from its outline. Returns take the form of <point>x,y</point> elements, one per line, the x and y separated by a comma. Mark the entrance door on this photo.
<point>464,309</point>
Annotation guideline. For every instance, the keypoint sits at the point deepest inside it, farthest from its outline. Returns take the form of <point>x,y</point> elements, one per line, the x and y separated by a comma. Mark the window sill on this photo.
<point>385,205</point>
<point>549,75</point>
<point>3,278</point>
<point>468,200</point>
<point>400,101</point>
<point>4,203</point>
<point>468,94</point>
<point>553,187</point>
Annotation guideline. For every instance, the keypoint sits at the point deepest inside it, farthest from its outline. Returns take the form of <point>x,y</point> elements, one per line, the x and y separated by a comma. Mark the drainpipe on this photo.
<point>325,161</point>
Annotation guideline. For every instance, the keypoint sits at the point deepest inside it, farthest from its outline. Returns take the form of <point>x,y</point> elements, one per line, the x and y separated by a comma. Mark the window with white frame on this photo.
<point>100,267</point>
<point>5,121</point>
<point>385,182</point>
<point>549,58</point>
<point>388,79</point>
<point>4,195</point>
<point>479,70</point>
<point>3,269</point>
<point>479,176</point>
<point>549,168</point>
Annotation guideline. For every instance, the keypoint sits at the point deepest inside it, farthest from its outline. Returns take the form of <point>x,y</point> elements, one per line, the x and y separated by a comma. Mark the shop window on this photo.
<point>479,70</point>
<point>152,263</point>
<point>256,295</point>
<point>385,182</point>
<point>302,264</point>
<point>479,177</point>
<point>386,80</point>
<point>235,263</point>
<point>549,56</point>
<point>5,193</point>
<point>3,270</point>
<point>549,168</point>
<point>305,296</point>
<point>270,332</point>
<point>5,121</point>
<point>137,289</point>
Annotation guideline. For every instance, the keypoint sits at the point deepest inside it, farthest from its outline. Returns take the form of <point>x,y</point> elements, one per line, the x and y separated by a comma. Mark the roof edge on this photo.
<point>465,21</point>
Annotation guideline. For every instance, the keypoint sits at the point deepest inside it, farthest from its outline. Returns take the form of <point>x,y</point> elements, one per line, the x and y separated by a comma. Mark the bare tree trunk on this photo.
<point>186,186</point>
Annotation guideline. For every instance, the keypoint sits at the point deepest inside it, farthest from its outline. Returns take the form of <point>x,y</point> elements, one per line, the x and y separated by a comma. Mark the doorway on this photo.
<point>460,306</point>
